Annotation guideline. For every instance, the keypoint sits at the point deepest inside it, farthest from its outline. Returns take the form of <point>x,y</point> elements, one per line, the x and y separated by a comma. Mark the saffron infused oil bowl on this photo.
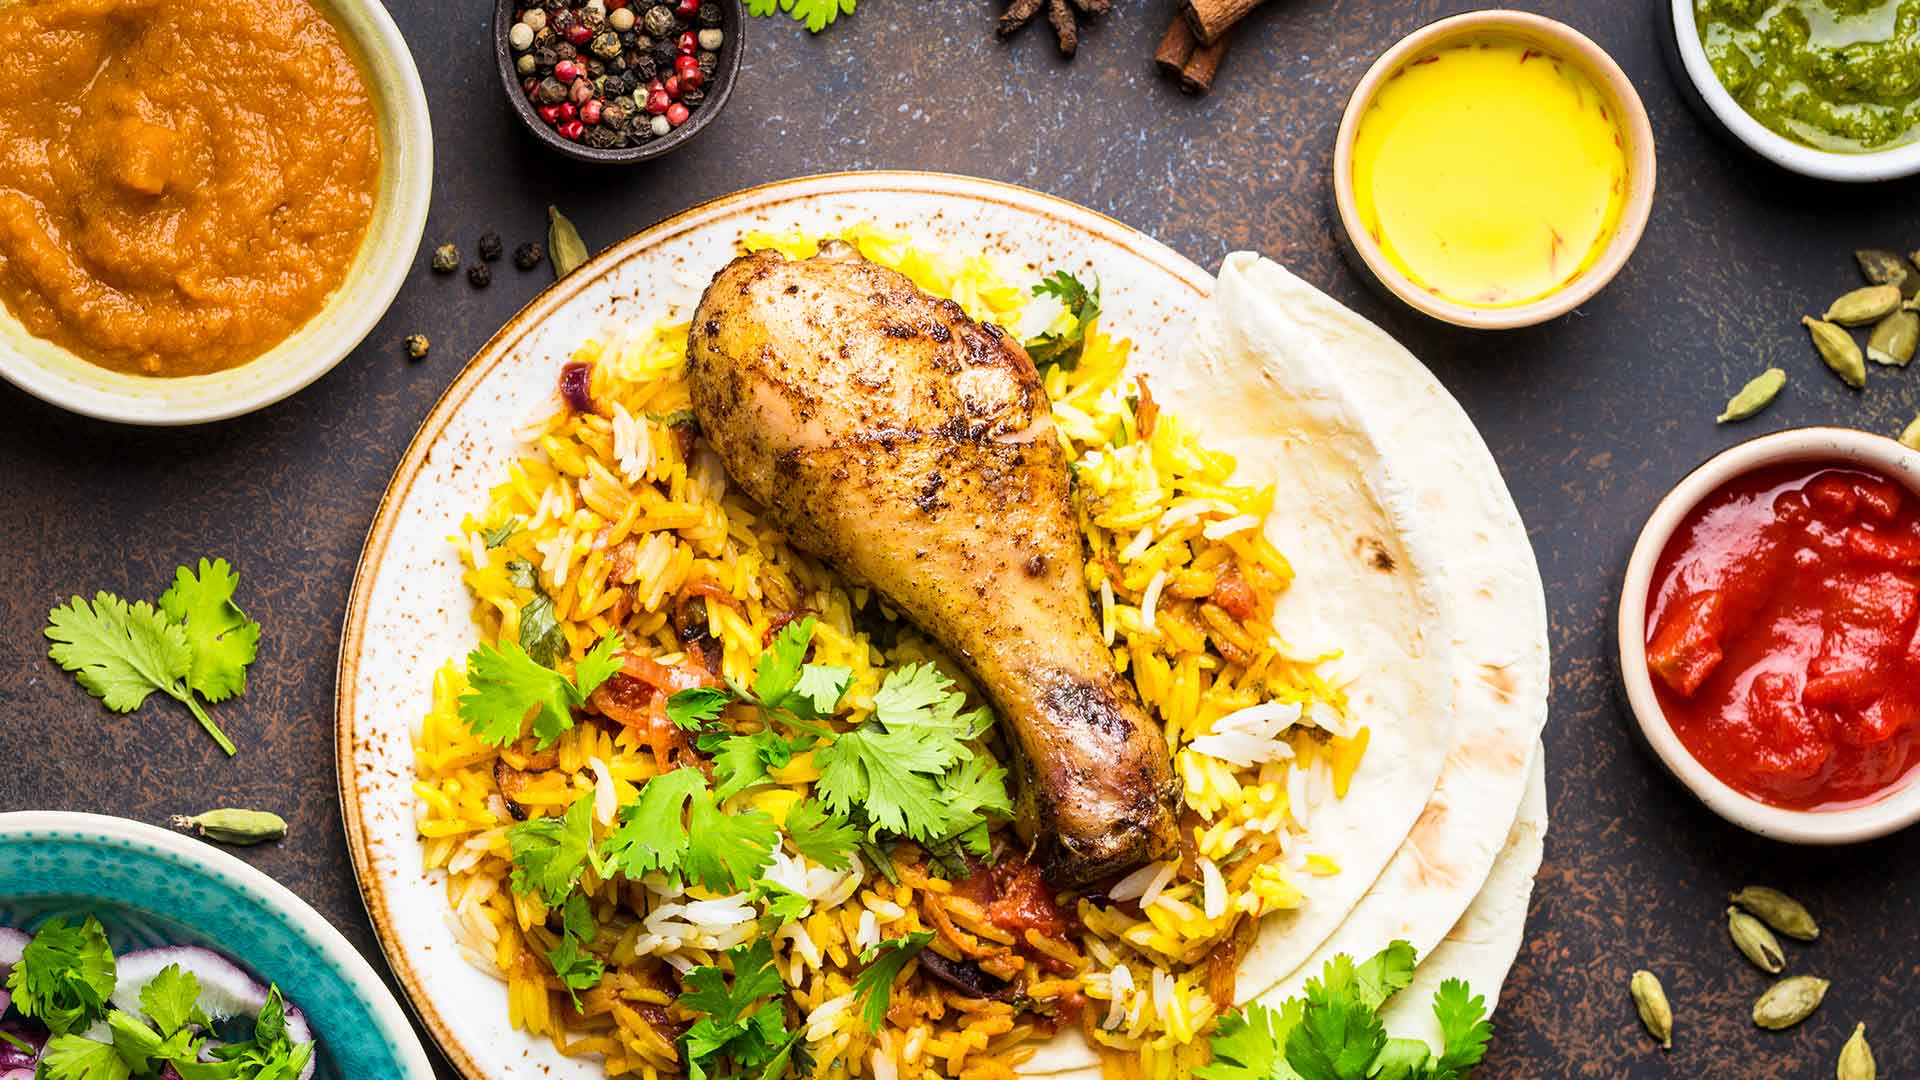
<point>1493,170</point>
<point>1897,805</point>
<point>153,888</point>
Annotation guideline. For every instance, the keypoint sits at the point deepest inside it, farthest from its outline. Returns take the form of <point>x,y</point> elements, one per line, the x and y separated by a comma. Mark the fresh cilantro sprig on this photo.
<point>821,836</point>
<point>550,853</point>
<point>1063,349</point>
<point>576,968</point>
<point>908,769</point>
<point>885,960</point>
<point>195,644</point>
<point>65,976</point>
<point>817,15</point>
<point>676,827</point>
<point>739,1034</point>
<point>1334,1032</point>
<point>505,685</point>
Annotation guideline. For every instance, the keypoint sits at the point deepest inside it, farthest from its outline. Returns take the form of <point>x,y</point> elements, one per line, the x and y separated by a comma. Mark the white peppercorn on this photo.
<point>535,18</point>
<point>621,19</point>
<point>520,36</point>
<point>712,38</point>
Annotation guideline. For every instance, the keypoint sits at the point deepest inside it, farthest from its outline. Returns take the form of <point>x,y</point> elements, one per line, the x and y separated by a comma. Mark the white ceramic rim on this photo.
<point>129,399</point>
<point>319,932</point>
<point>1888,814</point>
<point>1807,161</point>
<point>1641,170</point>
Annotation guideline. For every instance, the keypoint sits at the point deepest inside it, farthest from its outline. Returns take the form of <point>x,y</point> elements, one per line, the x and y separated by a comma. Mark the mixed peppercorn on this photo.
<point>613,73</point>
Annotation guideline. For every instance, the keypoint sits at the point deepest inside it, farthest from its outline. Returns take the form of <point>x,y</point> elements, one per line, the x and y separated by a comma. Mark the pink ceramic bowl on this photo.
<point>1557,39</point>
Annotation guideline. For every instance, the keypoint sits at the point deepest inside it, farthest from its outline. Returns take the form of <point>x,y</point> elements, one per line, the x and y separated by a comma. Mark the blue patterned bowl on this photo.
<point>152,887</point>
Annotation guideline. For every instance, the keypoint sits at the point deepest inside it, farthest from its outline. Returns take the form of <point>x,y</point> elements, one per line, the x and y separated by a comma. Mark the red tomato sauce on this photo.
<point>1783,634</point>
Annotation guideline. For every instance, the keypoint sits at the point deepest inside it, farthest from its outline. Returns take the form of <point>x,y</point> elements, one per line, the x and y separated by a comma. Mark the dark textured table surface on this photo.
<point>1591,418</point>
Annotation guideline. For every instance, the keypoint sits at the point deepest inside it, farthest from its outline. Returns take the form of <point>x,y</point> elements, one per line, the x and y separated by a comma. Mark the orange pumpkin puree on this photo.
<point>183,183</point>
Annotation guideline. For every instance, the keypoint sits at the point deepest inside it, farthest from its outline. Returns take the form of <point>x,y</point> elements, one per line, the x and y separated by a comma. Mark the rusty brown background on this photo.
<point>1592,419</point>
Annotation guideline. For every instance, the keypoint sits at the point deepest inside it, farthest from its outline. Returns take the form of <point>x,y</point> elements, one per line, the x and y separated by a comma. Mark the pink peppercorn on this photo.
<point>684,65</point>
<point>566,111</point>
<point>687,43</point>
<point>549,113</point>
<point>692,81</point>
<point>687,9</point>
<point>566,71</point>
<point>572,130</point>
<point>578,34</point>
<point>658,102</point>
<point>531,86</point>
<point>677,114</point>
<point>590,112</point>
<point>673,87</point>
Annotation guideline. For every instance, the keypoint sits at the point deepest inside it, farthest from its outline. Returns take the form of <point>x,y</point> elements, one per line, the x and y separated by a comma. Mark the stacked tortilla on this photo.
<point>1412,562</point>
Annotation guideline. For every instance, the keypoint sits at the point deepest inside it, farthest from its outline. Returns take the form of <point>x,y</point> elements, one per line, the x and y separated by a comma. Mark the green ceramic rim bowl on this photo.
<point>405,187</point>
<point>150,887</point>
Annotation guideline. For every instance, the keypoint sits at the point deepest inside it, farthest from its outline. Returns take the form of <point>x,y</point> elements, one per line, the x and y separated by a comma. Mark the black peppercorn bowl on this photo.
<point>716,90</point>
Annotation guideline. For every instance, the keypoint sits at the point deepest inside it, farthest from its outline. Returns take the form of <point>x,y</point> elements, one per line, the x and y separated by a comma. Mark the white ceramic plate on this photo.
<point>405,186</point>
<point>408,613</point>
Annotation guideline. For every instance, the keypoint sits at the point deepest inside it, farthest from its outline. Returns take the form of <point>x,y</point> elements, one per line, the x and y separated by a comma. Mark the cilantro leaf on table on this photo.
<point>505,684</point>
<point>121,653</point>
<point>1334,1031</point>
<point>1247,1044</point>
<point>1463,1027</point>
<point>223,639</point>
<point>821,836</point>
<point>816,15</point>
<point>550,853</point>
<point>1062,349</point>
<point>65,975</point>
<point>874,986</point>
<point>724,852</point>
<point>576,968</point>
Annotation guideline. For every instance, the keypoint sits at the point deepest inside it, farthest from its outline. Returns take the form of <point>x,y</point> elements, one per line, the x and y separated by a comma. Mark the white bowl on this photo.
<point>55,375</point>
<point>1891,812</point>
<point>1823,164</point>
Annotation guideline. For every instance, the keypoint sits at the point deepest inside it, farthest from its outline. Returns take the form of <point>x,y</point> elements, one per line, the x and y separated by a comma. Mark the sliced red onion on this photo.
<point>31,1032</point>
<point>12,944</point>
<point>25,1073</point>
<point>226,990</point>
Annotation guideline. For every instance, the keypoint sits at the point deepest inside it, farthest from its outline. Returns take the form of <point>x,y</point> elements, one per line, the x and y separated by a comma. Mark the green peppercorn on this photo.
<point>446,259</point>
<point>417,345</point>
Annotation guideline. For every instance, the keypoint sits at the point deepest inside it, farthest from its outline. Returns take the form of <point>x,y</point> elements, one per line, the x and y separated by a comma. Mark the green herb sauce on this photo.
<point>1833,74</point>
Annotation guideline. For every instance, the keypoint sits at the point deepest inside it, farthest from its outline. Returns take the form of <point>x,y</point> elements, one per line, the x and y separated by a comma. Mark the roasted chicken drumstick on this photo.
<point>915,450</point>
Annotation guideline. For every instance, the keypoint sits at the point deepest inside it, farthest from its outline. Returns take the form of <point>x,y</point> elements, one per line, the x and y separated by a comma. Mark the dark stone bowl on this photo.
<point>719,90</point>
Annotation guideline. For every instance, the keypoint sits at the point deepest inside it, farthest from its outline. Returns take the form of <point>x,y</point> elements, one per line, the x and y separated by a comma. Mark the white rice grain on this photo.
<point>1106,610</point>
<point>606,801</point>
<point>1151,599</point>
<point>1220,530</point>
<point>1120,985</point>
<point>1159,882</point>
<point>1214,887</point>
<point>1138,545</point>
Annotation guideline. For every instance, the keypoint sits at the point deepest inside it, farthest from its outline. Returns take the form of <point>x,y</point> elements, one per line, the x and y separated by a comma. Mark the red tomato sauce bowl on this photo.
<point>1769,633</point>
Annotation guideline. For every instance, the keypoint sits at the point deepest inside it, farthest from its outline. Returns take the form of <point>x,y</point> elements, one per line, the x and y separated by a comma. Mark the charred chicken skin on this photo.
<point>915,450</point>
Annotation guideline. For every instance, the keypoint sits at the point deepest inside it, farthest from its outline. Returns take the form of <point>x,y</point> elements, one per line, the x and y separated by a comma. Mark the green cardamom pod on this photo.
<point>1789,1001</point>
<point>1856,1057</point>
<point>1778,910</point>
<point>564,247</point>
<point>1881,266</point>
<point>230,826</point>
<point>1755,396</point>
<point>1911,436</point>
<point>1755,941</point>
<point>1651,1001</point>
<point>1838,349</point>
<point>1869,303</point>
<point>1894,338</point>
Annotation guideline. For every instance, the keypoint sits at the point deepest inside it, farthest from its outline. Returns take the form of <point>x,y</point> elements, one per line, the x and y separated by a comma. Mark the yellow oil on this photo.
<point>1490,172</point>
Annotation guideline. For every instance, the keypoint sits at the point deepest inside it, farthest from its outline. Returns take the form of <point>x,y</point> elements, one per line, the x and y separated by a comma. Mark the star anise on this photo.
<point>1060,13</point>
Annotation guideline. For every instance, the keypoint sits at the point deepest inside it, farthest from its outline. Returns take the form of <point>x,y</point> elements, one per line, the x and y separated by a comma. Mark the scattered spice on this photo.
<point>490,246</point>
<point>601,73</point>
<point>1211,19</point>
<point>446,259</point>
<point>1650,1000</point>
<point>479,275</point>
<point>1778,910</point>
<point>417,345</point>
<point>563,242</point>
<point>530,254</point>
<point>1789,1001</point>
<point>1061,15</point>
<point>230,826</point>
<point>1755,396</point>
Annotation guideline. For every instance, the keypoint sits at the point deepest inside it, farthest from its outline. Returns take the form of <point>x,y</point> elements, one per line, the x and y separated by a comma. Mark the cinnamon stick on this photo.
<point>1212,18</point>
<point>1176,45</point>
<point>1196,75</point>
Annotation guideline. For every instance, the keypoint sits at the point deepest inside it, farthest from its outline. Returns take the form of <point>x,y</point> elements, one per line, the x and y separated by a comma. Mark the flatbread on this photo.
<point>1495,616</point>
<point>1481,946</point>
